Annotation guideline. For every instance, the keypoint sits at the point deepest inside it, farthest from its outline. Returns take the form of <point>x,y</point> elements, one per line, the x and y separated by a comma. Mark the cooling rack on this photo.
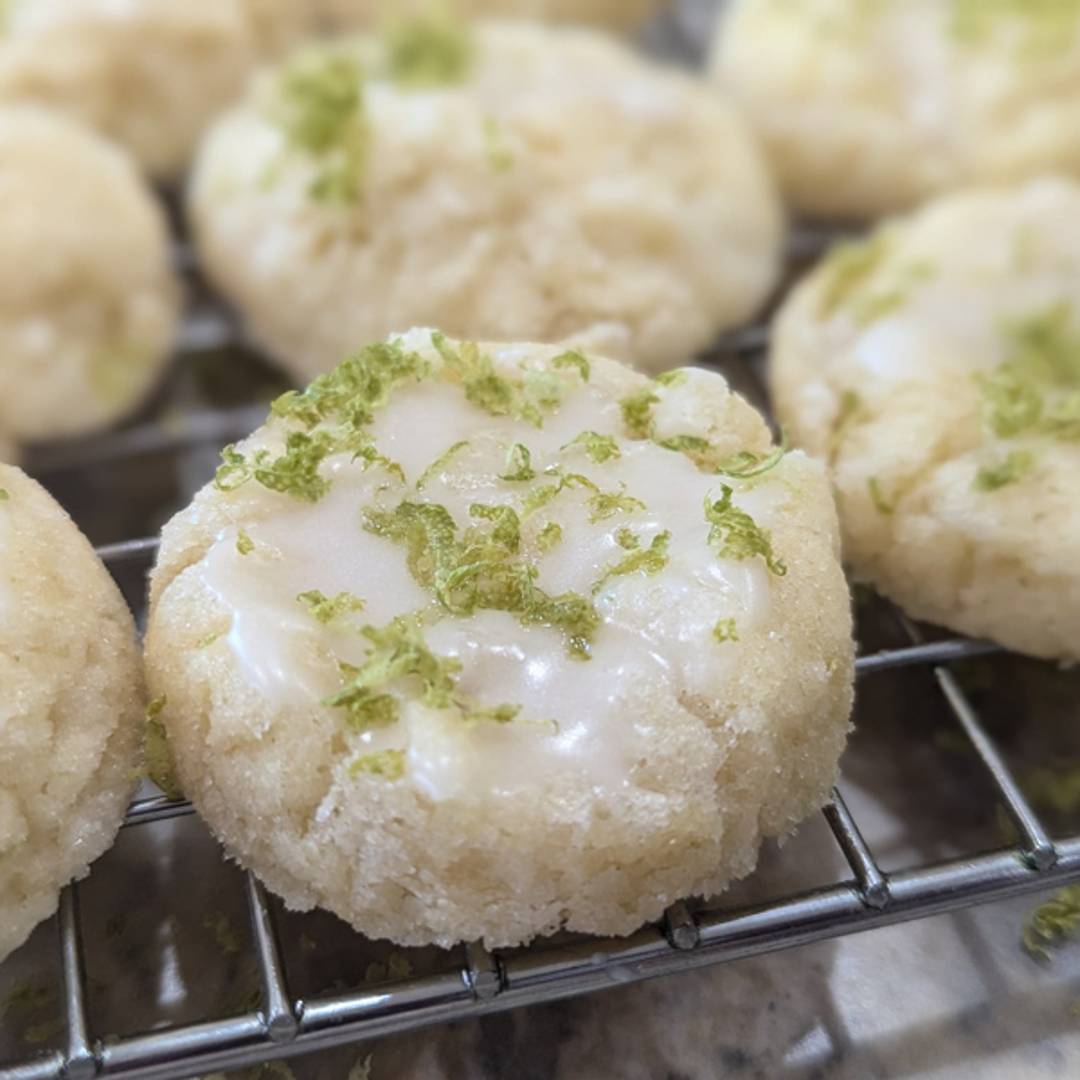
<point>282,1025</point>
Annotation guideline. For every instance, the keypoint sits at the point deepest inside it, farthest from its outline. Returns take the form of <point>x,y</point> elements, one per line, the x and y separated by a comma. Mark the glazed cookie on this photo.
<point>868,108</point>
<point>88,302</point>
<point>70,706</point>
<point>616,14</point>
<point>937,366</point>
<point>478,642</point>
<point>150,74</point>
<point>510,182</point>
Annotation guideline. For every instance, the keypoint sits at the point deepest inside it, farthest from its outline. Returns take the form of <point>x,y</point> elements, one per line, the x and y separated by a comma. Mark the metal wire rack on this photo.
<point>283,1025</point>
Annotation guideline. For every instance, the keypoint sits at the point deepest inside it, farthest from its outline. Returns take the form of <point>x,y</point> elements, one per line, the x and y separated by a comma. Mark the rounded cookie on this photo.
<point>150,74</point>
<point>88,302</point>
<point>615,14</point>
<point>506,182</point>
<point>867,108</point>
<point>937,366</point>
<point>70,706</point>
<point>481,641</point>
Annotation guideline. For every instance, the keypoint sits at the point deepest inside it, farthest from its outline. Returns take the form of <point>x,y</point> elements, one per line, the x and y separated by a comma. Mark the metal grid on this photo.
<point>283,1026</point>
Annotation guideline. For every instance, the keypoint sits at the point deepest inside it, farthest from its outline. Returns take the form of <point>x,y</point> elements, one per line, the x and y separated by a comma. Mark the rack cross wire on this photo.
<point>284,1026</point>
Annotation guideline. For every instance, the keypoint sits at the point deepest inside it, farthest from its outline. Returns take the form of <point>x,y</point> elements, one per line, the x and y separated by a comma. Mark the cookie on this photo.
<point>88,301</point>
<point>867,109</point>
<point>510,182</point>
<point>149,74</point>
<point>484,641</point>
<point>936,365</point>
<point>70,709</point>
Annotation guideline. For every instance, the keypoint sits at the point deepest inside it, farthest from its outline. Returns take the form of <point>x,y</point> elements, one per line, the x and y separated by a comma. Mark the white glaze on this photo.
<point>656,640</point>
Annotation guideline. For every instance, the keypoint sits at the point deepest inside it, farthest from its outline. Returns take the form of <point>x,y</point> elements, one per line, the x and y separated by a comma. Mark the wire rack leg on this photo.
<point>80,1064</point>
<point>873,885</point>
<point>280,1017</point>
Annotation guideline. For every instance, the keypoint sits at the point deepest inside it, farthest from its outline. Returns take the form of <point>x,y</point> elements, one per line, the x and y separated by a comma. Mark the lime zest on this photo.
<point>480,568</point>
<point>431,50</point>
<point>637,412</point>
<point>605,504</point>
<point>573,358</point>
<point>526,399</point>
<point>518,465</point>
<point>388,764</point>
<point>440,463</point>
<point>734,534</point>
<point>601,448</point>
<point>1013,467</point>
<point>549,536</point>
<point>1053,923</point>
<point>650,560</point>
<point>321,111</point>
<point>326,609</point>
<point>499,153</point>
<point>882,504</point>
<point>671,378</point>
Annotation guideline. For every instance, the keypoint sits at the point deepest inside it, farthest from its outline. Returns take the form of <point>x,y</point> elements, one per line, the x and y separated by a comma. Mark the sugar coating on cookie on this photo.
<point>150,74</point>
<point>937,366</point>
<point>479,641</point>
<point>507,182</point>
<point>615,14</point>
<point>71,706</point>
<point>867,108</point>
<point>88,302</point>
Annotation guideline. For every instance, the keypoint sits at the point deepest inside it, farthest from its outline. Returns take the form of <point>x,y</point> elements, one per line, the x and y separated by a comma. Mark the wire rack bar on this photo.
<point>47,1067</point>
<point>873,885</point>
<point>932,652</point>
<point>209,329</point>
<point>1035,840</point>
<point>79,1059</point>
<point>277,1010</point>
<point>156,808</point>
<point>532,976</point>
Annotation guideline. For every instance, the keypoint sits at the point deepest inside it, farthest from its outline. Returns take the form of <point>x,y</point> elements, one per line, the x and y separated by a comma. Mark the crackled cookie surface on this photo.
<point>937,366</point>
<point>509,182</point>
<point>149,74</point>
<point>88,302</point>
<point>475,642</point>
<point>70,706</point>
<point>867,108</point>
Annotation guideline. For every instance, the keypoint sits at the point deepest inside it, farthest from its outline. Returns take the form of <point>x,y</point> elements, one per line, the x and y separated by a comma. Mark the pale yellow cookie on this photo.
<point>150,74</point>
<point>868,107</point>
<point>88,301</point>
<point>71,706</point>
<point>480,642</point>
<point>937,366</point>
<point>510,182</point>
